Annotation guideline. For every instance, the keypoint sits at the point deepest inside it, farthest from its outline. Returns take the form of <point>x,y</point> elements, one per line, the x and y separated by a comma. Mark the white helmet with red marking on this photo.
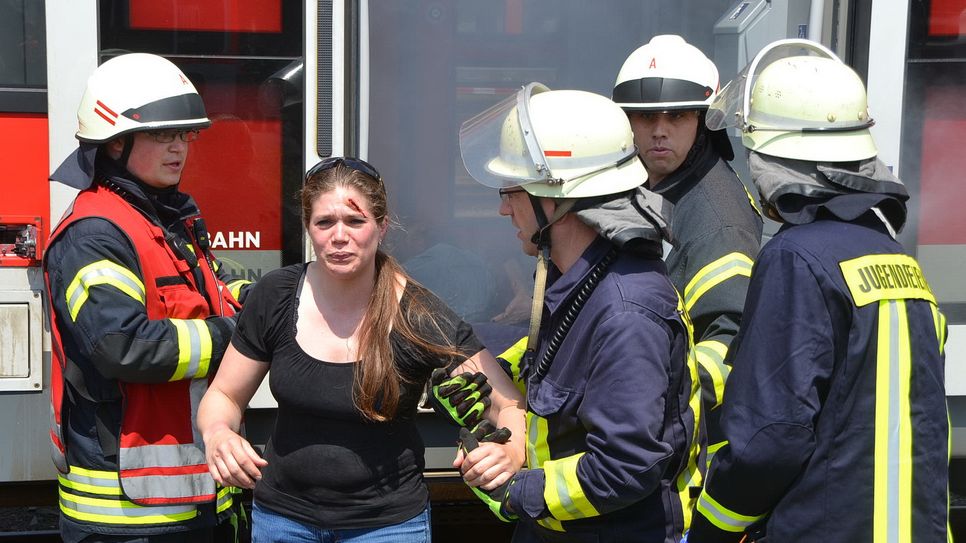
<point>553,144</point>
<point>666,73</point>
<point>137,92</point>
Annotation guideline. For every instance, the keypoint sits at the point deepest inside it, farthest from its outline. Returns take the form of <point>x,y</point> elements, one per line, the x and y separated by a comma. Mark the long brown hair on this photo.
<point>376,385</point>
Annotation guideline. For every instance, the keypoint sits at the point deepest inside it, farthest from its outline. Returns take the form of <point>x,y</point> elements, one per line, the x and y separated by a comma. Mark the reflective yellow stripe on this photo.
<point>939,322</point>
<point>538,453</point>
<point>111,508</point>
<point>892,507</point>
<point>225,499</point>
<point>513,357</point>
<point>562,491</point>
<point>715,273</point>
<point>102,272</point>
<point>711,355</point>
<point>194,349</point>
<point>874,278</point>
<point>751,199</point>
<point>712,449</point>
<point>234,287</point>
<point>722,517</point>
<point>691,476</point>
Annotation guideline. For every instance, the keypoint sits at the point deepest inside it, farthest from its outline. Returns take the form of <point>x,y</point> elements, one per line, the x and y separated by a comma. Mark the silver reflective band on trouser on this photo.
<point>95,496</point>
<point>722,517</point>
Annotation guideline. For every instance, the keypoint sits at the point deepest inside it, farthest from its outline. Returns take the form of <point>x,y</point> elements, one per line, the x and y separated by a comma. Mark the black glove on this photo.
<point>494,499</point>
<point>462,399</point>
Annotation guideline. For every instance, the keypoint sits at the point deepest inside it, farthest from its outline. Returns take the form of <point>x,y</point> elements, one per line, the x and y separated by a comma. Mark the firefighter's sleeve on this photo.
<point>99,295</point>
<point>238,286</point>
<point>783,361</point>
<point>716,280</point>
<point>623,411</point>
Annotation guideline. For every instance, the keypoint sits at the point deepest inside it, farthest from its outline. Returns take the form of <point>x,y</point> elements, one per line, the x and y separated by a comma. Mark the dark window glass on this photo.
<point>23,57</point>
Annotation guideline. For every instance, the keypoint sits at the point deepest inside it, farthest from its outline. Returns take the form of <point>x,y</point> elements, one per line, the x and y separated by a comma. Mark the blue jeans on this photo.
<point>271,527</point>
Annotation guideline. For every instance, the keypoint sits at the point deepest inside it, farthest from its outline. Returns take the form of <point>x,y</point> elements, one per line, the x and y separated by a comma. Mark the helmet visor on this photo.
<point>730,108</point>
<point>498,146</point>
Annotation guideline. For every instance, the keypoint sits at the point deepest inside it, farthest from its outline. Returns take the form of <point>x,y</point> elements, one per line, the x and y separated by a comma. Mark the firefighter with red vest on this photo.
<point>140,316</point>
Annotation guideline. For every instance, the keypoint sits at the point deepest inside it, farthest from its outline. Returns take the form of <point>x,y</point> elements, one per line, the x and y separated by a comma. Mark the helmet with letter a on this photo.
<point>553,144</point>
<point>138,92</point>
<point>666,74</point>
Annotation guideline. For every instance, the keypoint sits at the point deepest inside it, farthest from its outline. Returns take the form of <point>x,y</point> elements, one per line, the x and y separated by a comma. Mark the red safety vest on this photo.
<point>160,454</point>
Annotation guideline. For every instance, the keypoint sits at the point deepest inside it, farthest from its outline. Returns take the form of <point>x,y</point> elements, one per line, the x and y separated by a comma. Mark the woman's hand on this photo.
<point>484,458</point>
<point>231,459</point>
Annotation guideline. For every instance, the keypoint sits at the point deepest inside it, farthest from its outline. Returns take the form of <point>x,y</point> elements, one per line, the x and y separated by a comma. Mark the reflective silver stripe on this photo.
<point>225,499</point>
<point>194,348</point>
<point>563,495</point>
<point>152,456</point>
<point>114,511</point>
<point>721,516</point>
<point>103,272</point>
<point>716,272</point>
<point>170,486</point>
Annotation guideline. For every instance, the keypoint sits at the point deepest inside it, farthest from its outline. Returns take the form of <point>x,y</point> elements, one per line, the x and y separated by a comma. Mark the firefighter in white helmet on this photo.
<point>835,413</point>
<point>141,314</point>
<point>665,87</point>
<point>611,421</point>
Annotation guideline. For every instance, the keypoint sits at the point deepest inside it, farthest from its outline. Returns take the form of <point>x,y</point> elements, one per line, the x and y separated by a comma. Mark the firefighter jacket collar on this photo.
<point>635,221</point>
<point>800,190</point>
<point>77,170</point>
<point>701,158</point>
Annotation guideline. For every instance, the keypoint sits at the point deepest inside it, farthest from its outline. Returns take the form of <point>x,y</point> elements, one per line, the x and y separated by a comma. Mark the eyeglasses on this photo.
<point>356,164</point>
<point>167,136</point>
<point>506,192</point>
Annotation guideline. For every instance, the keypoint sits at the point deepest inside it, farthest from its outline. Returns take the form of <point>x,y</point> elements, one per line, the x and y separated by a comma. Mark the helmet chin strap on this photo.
<point>542,240</point>
<point>128,147</point>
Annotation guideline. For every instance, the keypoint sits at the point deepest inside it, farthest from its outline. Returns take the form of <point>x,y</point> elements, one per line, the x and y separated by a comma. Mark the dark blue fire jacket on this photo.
<point>835,411</point>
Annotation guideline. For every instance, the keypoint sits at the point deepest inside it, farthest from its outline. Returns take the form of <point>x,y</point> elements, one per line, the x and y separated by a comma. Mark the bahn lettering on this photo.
<point>236,240</point>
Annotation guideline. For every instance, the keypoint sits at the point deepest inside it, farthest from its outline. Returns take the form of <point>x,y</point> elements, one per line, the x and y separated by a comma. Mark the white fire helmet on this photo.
<point>554,144</point>
<point>667,73</point>
<point>797,100</point>
<point>137,92</point>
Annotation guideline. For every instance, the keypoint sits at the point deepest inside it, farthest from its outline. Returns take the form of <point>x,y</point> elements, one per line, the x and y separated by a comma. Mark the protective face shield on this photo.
<point>797,100</point>
<point>665,74</point>
<point>137,92</point>
<point>554,144</point>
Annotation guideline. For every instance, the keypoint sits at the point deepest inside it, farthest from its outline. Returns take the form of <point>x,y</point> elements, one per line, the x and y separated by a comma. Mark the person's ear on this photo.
<point>114,148</point>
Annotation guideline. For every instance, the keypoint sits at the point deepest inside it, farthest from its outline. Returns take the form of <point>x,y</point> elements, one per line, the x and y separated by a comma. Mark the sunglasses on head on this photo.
<point>356,164</point>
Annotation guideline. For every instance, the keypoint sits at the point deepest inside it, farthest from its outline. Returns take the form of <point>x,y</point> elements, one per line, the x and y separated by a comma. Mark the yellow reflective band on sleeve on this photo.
<point>712,449</point>
<point>234,287</point>
<point>513,357</point>
<point>711,355</point>
<point>538,453</point>
<point>691,476</point>
<point>939,321</point>
<point>722,517</point>
<point>194,349</point>
<point>715,273</point>
<point>224,499</point>
<point>562,491</point>
<point>892,506</point>
<point>873,278</point>
<point>102,272</point>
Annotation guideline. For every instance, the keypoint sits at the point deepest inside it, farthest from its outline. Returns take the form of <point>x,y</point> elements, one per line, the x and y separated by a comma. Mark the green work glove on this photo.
<point>462,399</point>
<point>494,499</point>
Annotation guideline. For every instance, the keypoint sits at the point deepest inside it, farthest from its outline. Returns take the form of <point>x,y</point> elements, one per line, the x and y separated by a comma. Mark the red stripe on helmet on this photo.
<point>107,109</point>
<point>105,117</point>
<point>556,153</point>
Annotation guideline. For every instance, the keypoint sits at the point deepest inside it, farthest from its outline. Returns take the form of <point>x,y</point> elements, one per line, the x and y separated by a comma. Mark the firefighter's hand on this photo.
<point>231,459</point>
<point>482,458</point>
<point>494,493</point>
<point>461,399</point>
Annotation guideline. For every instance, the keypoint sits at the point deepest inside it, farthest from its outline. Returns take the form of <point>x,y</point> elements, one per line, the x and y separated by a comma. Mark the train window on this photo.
<point>23,58</point>
<point>934,127</point>
<point>433,65</point>
<point>247,167</point>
